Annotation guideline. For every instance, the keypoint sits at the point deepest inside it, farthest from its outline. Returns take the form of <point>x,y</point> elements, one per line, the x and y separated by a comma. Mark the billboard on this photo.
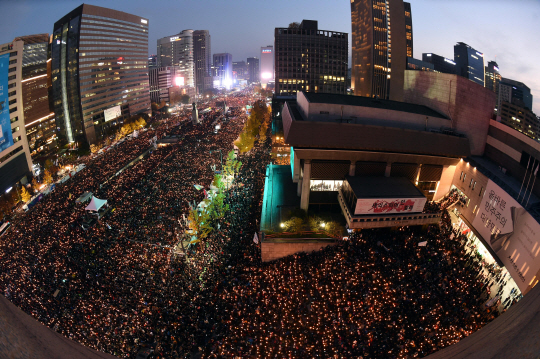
<point>389,205</point>
<point>6,137</point>
<point>112,113</point>
<point>512,233</point>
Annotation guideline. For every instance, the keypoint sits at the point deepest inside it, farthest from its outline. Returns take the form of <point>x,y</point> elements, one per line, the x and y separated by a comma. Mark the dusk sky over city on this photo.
<point>501,30</point>
<point>259,185</point>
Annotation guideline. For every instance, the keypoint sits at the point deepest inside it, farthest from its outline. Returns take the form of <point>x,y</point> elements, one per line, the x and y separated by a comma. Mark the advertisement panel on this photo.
<point>6,137</point>
<point>389,205</point>
<point>112,113</point>
<point>512,233</point>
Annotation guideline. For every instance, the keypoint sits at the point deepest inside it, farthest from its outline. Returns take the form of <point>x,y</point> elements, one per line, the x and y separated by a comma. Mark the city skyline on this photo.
<point>252,24</point>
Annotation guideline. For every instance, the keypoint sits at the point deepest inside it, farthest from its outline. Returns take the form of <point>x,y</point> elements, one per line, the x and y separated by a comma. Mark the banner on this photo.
<point>512,233</point>
<point>389,205</point>
<point>6,137</point>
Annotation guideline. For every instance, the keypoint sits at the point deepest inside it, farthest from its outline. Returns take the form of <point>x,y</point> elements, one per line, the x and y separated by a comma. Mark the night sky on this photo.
<point>505,31</point>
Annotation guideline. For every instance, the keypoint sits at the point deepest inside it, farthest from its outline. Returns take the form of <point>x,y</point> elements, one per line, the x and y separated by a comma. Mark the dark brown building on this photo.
<point>379,47</point>
<point>308,59</point>
<point>520,119</point>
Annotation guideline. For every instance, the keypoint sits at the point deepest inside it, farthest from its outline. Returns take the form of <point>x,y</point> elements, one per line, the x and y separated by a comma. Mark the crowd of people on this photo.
<point>378,295</point>
<point>119,286</point>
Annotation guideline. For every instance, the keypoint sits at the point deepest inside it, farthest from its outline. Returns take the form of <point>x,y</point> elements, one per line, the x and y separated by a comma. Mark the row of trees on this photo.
<point>130,125</point>
<point>255,128</point>
<point>203,221</point>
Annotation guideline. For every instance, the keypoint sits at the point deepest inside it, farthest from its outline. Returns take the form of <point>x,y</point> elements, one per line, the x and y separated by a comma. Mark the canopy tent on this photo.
<point>96,204</point>
<point>84,197</point>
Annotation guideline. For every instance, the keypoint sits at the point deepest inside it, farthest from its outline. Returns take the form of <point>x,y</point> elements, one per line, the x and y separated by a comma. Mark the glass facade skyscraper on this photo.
<point>469,63</point>
<point>99,60</point>
<point>177,50</point>
<point>202,54</point>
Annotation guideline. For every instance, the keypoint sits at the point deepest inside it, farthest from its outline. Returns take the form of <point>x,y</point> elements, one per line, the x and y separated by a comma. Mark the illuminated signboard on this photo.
<point>112,113</point>
<point>179,81</point>
<point>174,38</point>
<point>389,205</point>
<point>266,51</point>
<point>6,136</point>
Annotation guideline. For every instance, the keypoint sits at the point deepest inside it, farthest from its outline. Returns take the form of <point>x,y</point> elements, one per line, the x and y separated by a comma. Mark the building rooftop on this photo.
<point>371,102</point>
<point>383,187</point>
<point>352,136</point>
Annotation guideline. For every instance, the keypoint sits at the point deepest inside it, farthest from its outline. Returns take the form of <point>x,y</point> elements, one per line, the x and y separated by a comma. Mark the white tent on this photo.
<point>96,204</point>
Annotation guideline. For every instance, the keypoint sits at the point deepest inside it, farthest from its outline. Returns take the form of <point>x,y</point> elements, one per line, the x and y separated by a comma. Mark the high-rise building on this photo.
<point>253,69</point>
<point>415,64</point>
<point>520,119</point>
<point>38,118</point>
<point>514,92</point>
<point>379,51</point>
<point>469,63</point>
<point>99,67</point>
<point>161,79</point>
<point>267,65</point>
<point>177,50</point>
<point>202,55</point>
<point>309,59</point>
<point>440,63</point>
<point>408,29</point>
<point>152,61</point>
<point>239,70</point>
<point>492,77</point>
<point>15,159</point>
<point>223,69</point>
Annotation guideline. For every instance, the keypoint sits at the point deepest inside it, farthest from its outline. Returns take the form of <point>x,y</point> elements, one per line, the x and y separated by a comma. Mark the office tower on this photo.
<point>240,70</point>
<point>177,50</point>
<point>309,59</point>
<point>223,69</point>
<point>408,29</point>
<point>415,64</point>
<point>39,120</point>
<point>515,92</point>
<point>15,159</point>
<point>440,63</point>
<point>520,119</point>
<point>152,61</point>
<point>99,71</point>
<point>492,77</point>
<point>379,48</point>
<point>469,63</point>
<point>161,79</point>
<point>267,65</point>
<point>253,69</point>
<point>202,55</point>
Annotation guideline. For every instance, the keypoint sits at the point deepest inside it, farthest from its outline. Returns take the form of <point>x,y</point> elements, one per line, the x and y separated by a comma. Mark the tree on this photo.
<point>185,99</point>
<point>35,184</point>
<point>25,196</point>
<point>232,165</point>
<point>199,223</point>
<point>47,177</point>
<point>294,224</point>
<point>294,25</point>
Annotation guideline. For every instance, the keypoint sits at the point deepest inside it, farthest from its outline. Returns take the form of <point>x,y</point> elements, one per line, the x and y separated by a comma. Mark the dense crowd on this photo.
<point>379,295</point>
<point>119,286</point>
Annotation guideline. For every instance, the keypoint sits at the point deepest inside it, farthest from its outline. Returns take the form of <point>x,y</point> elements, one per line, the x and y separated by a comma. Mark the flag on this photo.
<point>422,244</point>
<point>205,194</point>
<point>256,238</point>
